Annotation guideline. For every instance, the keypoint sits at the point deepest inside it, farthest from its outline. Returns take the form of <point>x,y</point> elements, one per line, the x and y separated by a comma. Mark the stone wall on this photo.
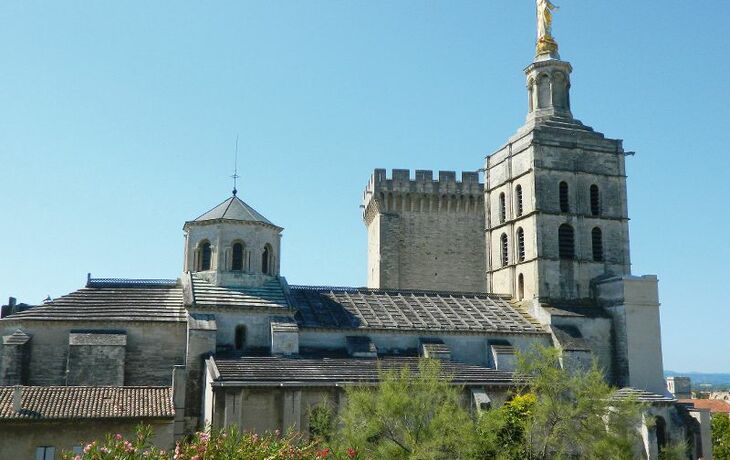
<point>425,233</point>
<point>20,440</point>
<point>152,349</point>
<point>96,358</point>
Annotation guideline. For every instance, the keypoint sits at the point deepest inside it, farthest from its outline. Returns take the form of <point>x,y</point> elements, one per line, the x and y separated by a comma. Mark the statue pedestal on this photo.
<point>547,46</point>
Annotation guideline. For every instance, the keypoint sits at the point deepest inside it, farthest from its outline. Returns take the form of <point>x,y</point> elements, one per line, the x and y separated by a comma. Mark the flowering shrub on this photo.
<point>231,444</point>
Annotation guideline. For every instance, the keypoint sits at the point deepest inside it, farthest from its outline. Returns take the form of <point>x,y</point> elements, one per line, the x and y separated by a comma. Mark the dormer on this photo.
<point>233,245</point>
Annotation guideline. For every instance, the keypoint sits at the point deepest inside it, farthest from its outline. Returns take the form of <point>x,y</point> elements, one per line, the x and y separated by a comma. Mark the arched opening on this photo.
<point>543,92</point>
<point>564,201</point>
<point>595,200</point>
<point>502,208</point>
<point>661,434</point>
<point>518,200</point>
<point>240,339</point>
<point>505,249</point>
<point>237,257</point>
<point>521,244</point>
<point>205,256</point>
<point>520,286</point>
<point>560,91</point>
<point>597,243</point>
<point>566,242</point>
<point>267,260</point>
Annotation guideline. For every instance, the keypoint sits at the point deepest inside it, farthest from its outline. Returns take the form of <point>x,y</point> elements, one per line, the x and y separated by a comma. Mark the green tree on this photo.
<point>409,416</point>
<point>562,415</point>
<point>721,436</point>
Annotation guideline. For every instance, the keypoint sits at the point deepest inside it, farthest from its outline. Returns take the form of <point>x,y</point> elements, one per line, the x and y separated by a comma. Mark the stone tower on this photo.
<point>233,245</point>
<point>425,233</point>
<point>557,219</point>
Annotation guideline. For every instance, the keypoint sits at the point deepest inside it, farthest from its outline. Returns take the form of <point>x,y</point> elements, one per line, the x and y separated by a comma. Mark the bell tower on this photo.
<point>555,193</point>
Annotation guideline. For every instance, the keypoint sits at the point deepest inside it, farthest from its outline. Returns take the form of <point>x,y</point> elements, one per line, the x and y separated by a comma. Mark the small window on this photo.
<point>518,200</point>
<point>267,258</point>
<point>520,286</point>
<point>240,342</point>
<point>566,242</point>
<point>595,200</point>
<point>205,256</point>
<point>502,208</point>
<point>45,453</point>
<point>505,250</point>
<point>237,258</point>
<point>521,244</point>
<point>564,203</point>
<point>597,240</point>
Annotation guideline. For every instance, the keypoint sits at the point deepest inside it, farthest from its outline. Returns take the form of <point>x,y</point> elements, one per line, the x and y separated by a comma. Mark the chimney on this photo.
<point>11,302</point>
<point>17,395</point>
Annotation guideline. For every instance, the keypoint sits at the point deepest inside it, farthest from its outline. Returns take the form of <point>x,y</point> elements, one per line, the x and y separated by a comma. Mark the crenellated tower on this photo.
<point>425,233</point>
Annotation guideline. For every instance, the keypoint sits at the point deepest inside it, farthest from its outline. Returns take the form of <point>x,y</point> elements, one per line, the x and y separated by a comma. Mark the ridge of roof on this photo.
<point>318,288</point>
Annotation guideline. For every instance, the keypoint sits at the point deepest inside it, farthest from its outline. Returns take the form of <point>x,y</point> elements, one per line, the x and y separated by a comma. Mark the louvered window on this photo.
<point>205,256</point>
<point>566,242</point>
<point>595,200</point>
<point>518,200</point>
<point>597,239</point>
<point>237,257</point>
<point>564,203</point>
<point>502,208</point>
<point>265,260</point>
<point>505,250</point>
<point>521,244</point>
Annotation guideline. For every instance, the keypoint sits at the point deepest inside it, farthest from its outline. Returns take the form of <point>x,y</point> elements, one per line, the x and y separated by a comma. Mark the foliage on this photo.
<point>721,436</point>
<point>321,421</point>
<point>408,417</point>
<point>560,414</point>
<point>231,444</point>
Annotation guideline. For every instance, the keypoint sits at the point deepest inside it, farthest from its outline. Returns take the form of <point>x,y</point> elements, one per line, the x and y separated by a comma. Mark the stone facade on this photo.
<point>425,233</point>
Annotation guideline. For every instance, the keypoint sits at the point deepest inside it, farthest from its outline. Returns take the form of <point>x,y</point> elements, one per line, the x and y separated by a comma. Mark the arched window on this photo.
<point>566,242</point>
<point>518,200</point>
<point>564,203</point>
<point>205,256</point>
<point>502,208</point>
<point>521,244</point>
<point>597,240</point>
<point>237,257</point>
<point>520,286</point>
<point>240,340</point>
<point>595,200</point>
<point>267,258</point>
<point>505,250</point>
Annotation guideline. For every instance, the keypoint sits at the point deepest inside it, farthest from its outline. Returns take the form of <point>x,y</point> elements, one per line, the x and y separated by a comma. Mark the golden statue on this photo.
<point>546,44</point>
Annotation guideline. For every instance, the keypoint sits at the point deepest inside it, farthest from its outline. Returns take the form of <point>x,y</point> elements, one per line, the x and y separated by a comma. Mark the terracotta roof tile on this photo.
<point>716,406</point>
<point>56,402</point>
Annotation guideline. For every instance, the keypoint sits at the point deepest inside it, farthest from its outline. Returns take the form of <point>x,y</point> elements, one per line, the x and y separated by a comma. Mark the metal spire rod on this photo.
<point>235,175</point>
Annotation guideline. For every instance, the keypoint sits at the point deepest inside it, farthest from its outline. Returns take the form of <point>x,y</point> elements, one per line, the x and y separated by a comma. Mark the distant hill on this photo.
<point>701,378</point>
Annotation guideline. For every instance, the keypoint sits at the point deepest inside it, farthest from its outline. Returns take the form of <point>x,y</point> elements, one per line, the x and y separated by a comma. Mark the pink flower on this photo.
<point>195,457</point>
<point>352,453</point>
<point>118,437</point>
<point>78,457</point>
<point>87,448</point>
<point>324,453</point>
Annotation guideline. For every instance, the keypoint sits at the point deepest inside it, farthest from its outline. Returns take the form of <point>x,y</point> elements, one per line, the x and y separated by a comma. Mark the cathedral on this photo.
<point>462,269</point>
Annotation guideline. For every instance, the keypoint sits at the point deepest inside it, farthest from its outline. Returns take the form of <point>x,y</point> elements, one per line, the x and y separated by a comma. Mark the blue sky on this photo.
<point>118,121</point>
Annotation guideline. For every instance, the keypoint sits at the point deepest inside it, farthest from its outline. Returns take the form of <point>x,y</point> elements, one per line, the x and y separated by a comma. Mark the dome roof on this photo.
<point>234,209</point>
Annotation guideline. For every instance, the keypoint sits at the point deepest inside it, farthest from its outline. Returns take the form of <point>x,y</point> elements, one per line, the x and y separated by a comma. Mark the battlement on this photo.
<point>446,184</point>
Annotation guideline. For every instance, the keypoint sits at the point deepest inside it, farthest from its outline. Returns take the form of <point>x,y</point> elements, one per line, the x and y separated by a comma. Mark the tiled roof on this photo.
<point>118,302</point>
<point>270,295</point>
<point>234,209</point>
<point>16,338</point>
<point>642,396</point>
<point>360,308</point>
<point>272,370</point>
<point>49,403</point>
<point>715,406</point>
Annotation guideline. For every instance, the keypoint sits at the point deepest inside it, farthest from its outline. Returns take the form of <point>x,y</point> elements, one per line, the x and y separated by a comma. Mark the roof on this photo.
<point>715,406</point>
<point>56,402</point>
<point>361,308</point>
<point>205,294</point>
<point>642,396</point>
<point>273,370</point>
<point>117,301</point>
<point>234,209</point>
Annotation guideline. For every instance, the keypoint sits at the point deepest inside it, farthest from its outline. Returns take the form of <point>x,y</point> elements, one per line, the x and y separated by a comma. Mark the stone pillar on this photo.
<point>633,302</point>
<point>292,410</point>
<point>202,330</point>
<point>14,359</point>
<point>178,400</point>
<point>703,417</point>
